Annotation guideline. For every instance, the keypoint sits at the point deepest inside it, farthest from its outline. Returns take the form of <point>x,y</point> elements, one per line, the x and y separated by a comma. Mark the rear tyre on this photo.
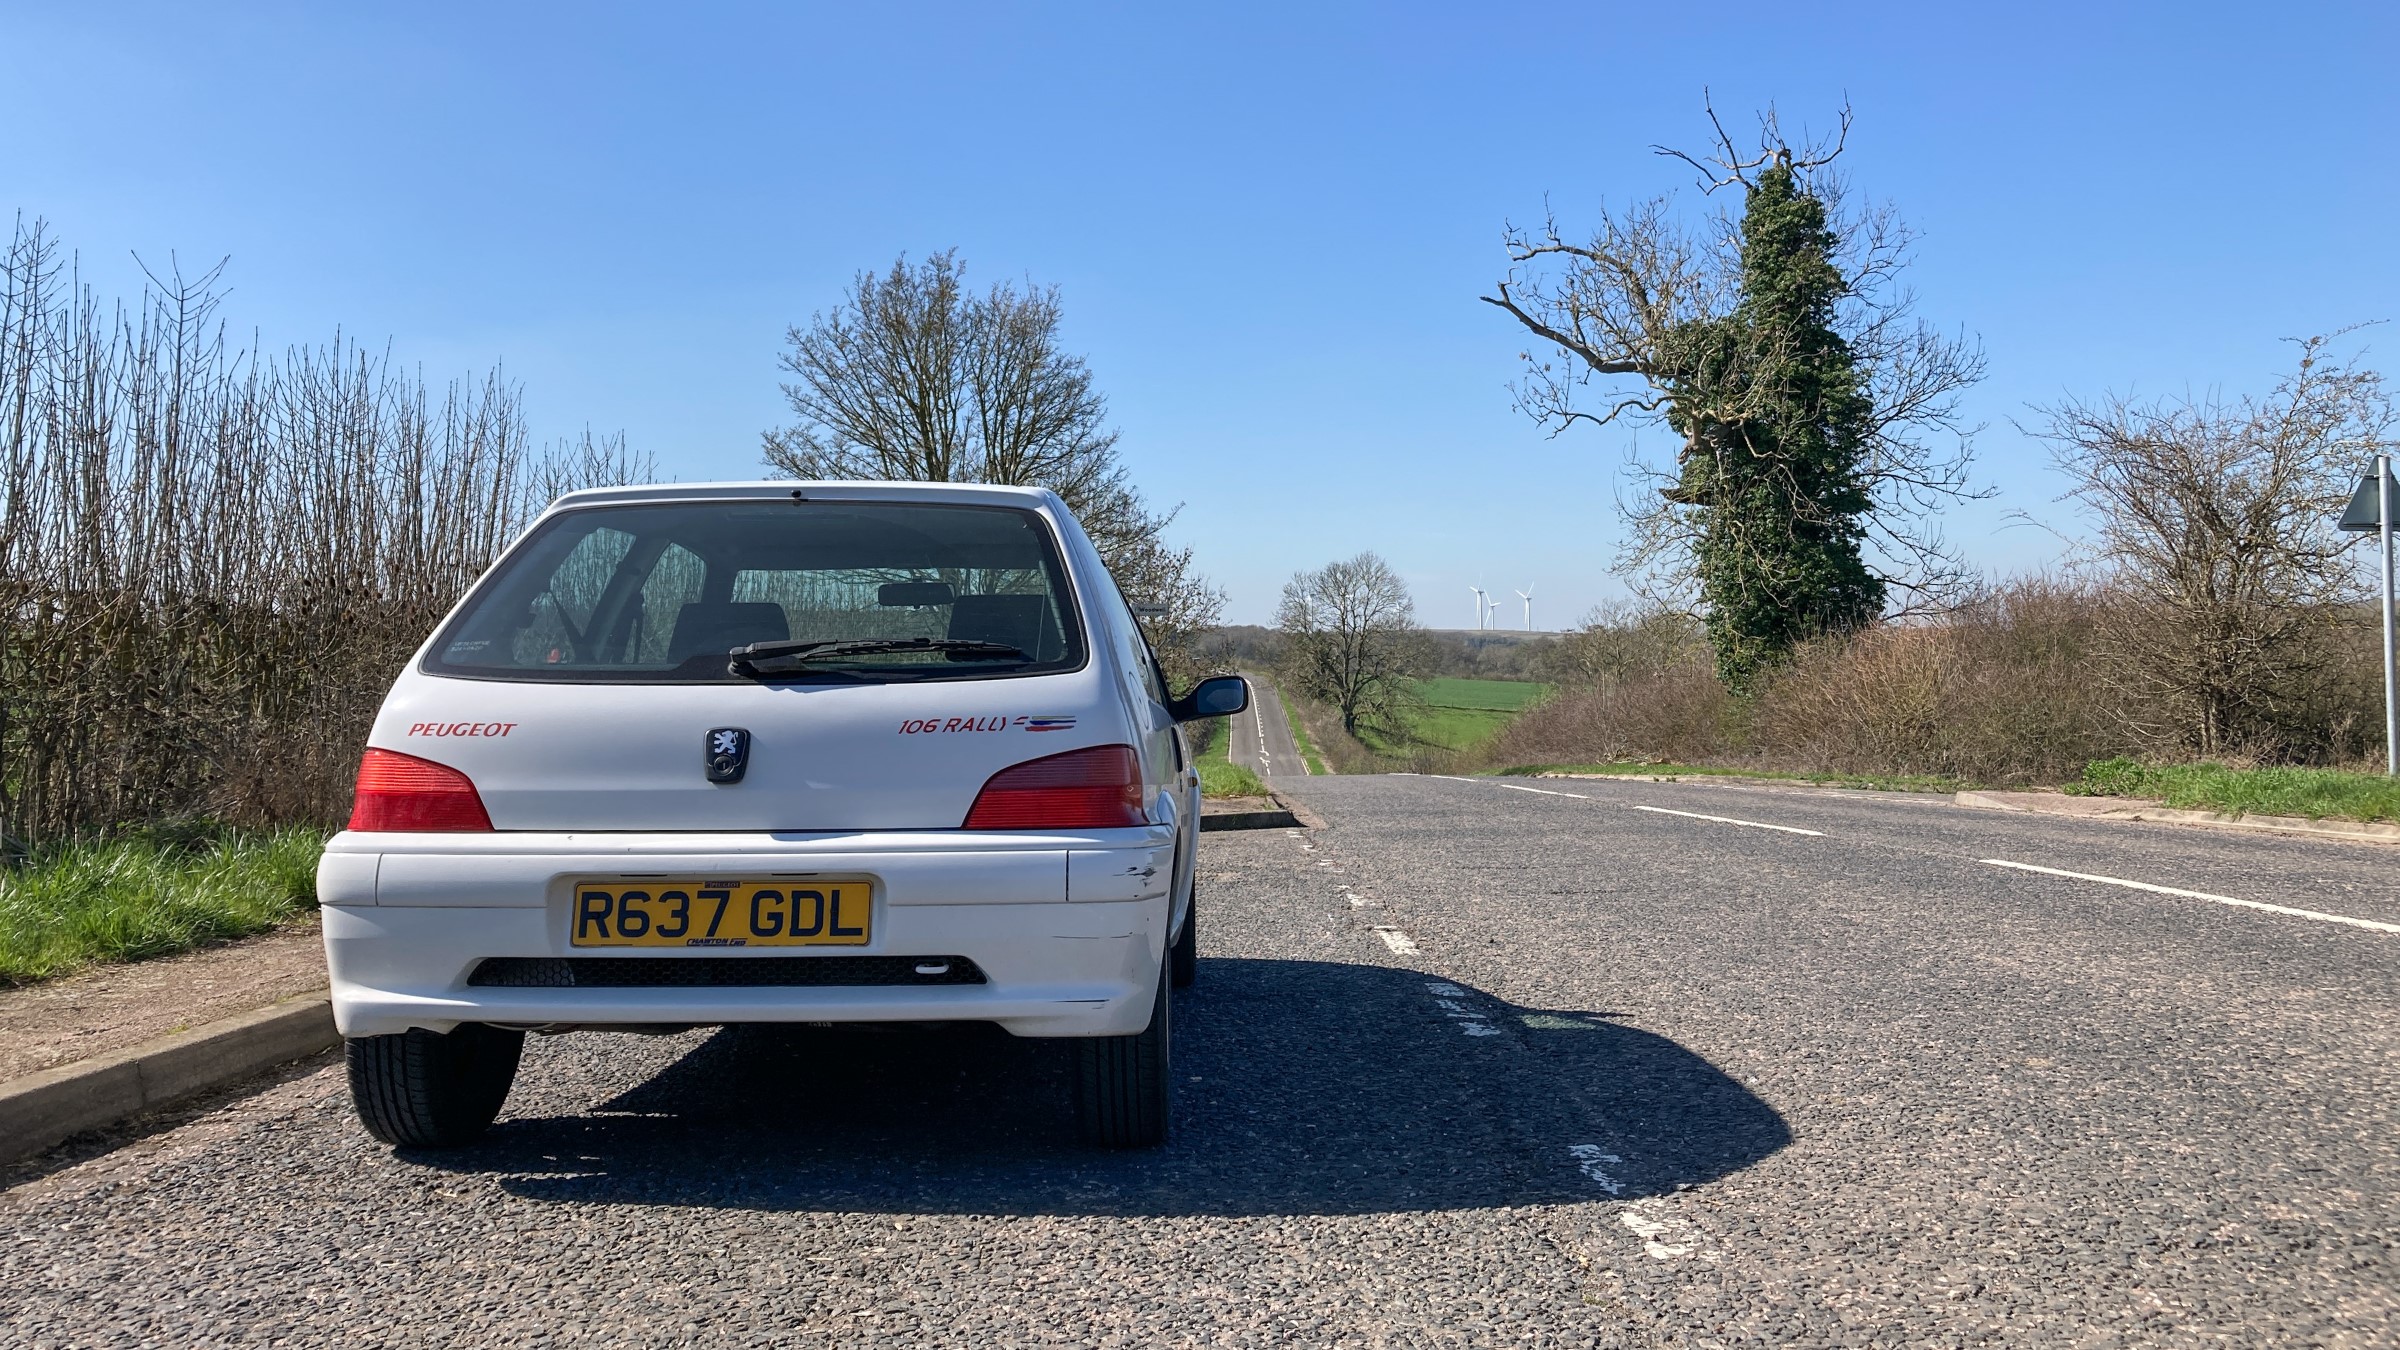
<point>1121,1084</point>
<point>1183,959</point>
<point>422,1089</point>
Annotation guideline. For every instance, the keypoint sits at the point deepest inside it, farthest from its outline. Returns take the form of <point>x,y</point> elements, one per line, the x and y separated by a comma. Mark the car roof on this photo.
<point>784,488</point>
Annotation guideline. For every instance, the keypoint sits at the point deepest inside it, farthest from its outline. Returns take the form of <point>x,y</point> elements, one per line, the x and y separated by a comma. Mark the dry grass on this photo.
<point>2027,684</point>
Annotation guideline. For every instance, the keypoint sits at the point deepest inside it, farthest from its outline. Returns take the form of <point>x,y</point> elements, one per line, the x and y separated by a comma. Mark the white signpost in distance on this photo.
<point>2370,508</point>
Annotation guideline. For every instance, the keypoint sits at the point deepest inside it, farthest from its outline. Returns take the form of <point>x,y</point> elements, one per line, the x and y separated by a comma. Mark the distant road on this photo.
<point>1262,737</point>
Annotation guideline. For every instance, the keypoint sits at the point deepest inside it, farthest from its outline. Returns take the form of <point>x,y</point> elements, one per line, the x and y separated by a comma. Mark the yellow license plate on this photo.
<point>651,913</point>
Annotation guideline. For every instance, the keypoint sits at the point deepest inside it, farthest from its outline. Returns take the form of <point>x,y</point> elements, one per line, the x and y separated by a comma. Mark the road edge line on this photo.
<point>43,1109</point>
<point>2321,916</point>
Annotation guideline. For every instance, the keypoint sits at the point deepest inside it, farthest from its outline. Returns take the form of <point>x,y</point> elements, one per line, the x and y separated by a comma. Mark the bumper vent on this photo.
<point>756,972</point>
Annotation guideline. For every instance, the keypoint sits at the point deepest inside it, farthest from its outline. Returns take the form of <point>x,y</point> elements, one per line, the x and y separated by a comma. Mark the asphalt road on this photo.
<point>1473,1065</point>
<point>1262,737</point>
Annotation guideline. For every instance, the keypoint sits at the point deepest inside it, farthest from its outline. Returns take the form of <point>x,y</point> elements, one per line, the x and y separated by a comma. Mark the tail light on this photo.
<point>403,792</point>
<point>1098,788</point>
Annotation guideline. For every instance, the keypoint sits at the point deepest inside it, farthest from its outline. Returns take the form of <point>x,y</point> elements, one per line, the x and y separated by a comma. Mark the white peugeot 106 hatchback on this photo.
<point>771,752</point>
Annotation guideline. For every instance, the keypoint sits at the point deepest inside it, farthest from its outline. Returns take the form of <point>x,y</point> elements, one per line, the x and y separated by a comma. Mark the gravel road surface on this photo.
<point>1477,1064</point>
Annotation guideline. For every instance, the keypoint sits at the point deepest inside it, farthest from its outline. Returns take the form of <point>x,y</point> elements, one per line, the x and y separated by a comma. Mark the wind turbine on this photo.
<point>1526,595</point>
<point>1478,606</point>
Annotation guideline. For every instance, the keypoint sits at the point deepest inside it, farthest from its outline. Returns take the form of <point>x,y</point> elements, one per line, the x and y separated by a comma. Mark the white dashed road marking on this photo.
<point>1729,820</point>
<point>1266,762</point>
<point>2198,895</point>
<point>1453,1000</point>
<point>1399,942</point>
<point>1665,1234</point>
<point>1592,1160</point>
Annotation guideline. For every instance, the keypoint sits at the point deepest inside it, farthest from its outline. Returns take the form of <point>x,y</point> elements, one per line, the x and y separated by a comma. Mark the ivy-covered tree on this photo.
<point>1806,400</point>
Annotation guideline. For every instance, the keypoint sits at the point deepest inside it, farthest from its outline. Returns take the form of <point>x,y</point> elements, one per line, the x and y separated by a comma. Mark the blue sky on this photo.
<point>1270,223</point>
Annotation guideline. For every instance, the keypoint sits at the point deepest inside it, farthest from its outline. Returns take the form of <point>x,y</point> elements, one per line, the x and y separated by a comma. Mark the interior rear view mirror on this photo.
<point>1216,696</point>
<point>914,594</point>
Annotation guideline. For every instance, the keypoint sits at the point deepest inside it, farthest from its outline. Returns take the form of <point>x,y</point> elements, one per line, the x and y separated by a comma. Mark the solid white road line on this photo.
<point>1728,820</point>
<point>2199,895</point>
<point>1396,940</point>
<point>1513,787</point>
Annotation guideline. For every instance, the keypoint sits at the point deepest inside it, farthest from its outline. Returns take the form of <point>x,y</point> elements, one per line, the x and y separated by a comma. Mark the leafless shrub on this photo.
<point>2216,520</point>
<point>2019,685</point>
<point>2003,691</point>
<point>1636,683</point>
<point>212,561</point>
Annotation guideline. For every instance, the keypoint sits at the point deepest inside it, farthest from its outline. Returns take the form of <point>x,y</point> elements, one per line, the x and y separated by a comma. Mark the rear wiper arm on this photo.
<point>775,658</point>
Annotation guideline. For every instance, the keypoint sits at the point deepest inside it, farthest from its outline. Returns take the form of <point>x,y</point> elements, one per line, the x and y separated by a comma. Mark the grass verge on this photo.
<point>2317,794</point>
<point>75,905</point>
<point>1223,778</point>
<point>1875,782</point>
<point>1308,749</point>
<point>1212,755</point>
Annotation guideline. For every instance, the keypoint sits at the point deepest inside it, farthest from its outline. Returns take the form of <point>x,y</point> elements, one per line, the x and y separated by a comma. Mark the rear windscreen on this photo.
<point>662,593</point>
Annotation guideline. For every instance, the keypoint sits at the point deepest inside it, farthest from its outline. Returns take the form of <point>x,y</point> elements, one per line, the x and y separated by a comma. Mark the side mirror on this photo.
<point>1216,696</point>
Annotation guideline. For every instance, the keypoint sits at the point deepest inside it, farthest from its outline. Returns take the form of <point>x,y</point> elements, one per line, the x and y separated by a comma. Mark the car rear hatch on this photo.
<point>819,757</point>
<point>595,679</point>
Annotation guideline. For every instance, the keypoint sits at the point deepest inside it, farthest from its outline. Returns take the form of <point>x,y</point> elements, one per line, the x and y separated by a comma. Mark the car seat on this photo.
<point>1021,621</point>
<point>708,628</point>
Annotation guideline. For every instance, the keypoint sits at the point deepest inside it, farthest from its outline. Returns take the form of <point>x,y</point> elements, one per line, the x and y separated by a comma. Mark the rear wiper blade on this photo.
<point>774,658</point>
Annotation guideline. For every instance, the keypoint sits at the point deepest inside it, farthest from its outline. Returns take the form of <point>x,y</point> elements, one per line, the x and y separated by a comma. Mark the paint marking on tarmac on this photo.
<point>2318,915</point>
<point>1452,998</point>
<point>1729,820</point>
<point>1266,762</point>
<point>1400,943</point>
<point>1665,1235</point>
<point>1589,1158</point>
<point>1514,787</point>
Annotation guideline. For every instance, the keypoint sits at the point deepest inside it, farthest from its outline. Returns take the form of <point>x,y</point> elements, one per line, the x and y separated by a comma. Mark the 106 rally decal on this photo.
<point>921,726</point>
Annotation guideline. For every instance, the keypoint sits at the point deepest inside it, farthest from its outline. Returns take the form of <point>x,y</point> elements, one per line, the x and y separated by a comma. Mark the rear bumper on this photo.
<point>1068,931</point>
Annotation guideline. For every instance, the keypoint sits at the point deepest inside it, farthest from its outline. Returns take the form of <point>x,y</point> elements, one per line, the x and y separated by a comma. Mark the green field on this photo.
<point>1492,695</point>
<point>1458,714</point>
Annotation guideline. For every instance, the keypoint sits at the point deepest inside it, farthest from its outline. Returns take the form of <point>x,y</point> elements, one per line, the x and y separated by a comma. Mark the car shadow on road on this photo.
<point>1301,1087</point>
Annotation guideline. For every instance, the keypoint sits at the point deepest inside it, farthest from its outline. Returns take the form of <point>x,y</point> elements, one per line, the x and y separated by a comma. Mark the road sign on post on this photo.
<point>2371,508</point>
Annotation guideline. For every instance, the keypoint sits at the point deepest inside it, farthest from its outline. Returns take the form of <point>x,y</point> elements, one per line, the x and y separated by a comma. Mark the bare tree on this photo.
<point>2216,521</point>
<point>1350,639</point>
<point>1648,312</point>
<point>914,378</point>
